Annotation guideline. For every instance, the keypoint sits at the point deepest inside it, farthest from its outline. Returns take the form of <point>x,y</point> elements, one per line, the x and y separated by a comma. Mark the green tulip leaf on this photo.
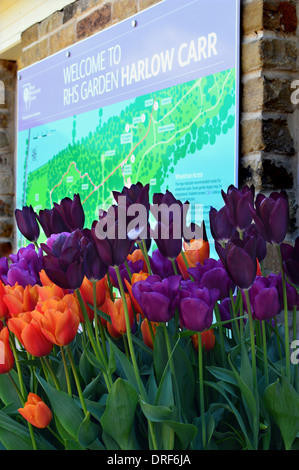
<point>88,432</point>
<point>64,407</point>
<point>282,403</point>
<point>7,390</point>
<point>117,420</point>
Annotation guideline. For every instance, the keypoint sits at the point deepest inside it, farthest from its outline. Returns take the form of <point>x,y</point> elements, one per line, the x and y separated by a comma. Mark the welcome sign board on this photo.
<point>154,99</point>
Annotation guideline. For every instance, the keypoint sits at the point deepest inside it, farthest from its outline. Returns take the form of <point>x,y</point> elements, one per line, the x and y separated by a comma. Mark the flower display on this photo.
<point>149,343</point>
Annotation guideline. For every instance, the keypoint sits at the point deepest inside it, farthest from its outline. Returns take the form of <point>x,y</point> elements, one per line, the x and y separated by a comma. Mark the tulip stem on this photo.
<point>174,266</point>
<point>52,373</point>
<point>132,353</point>
<point>221,335</point>
<point>169,352</point>
<point>73,366</point>
<point>128,270</point>
<point>23,392</point>
<point>110,286</point>
<point>97,350</point>
<point>97,322</point>
<point>16,388</point>
<point>66,371</point>
<point>201,391</point>
<point>265,353</point>
<point>252,339</point>
<point>21,383</point>
<point>286,316</point>
<point>145,254</point>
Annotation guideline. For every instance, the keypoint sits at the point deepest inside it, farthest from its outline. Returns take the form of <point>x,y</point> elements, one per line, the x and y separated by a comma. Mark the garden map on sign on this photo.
<point>160,138</point>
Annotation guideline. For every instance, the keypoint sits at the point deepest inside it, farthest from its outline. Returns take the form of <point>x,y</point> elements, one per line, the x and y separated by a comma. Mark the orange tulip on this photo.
<point>146,334</point>
<point>135,278</point>
<point>36,412</point>
<point>195,252</point>
<point>3,306</point>
<point>117,314</point>
<point>6,355</point>
<point>19,300</point>
<point>59,319</point>
<point>86,291</point>
<point>29,333</point>
<point>207,339</point>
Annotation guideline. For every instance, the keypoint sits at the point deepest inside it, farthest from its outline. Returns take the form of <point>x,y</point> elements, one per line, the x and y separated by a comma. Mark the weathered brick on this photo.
<point>6,206</point>
<point>3,139</point>
<point>30,35</point>
<point>277,94</point>
<point>36,52</point>
<point>252,17</point>
<point>275,54</point>
<point>123,9</point>
<point>94,22</point>
<point>275,175</point>
<point>5,249</point>
<point>279,54</point>
<point>147,3</point>
<point>6,184</point>
<point>6,228</point>
<point>49,24</point>
<point>251,136</point>
<point>62,38</point>
<point>253,95</point>
<point>288,16</point>
<point>277,137</point>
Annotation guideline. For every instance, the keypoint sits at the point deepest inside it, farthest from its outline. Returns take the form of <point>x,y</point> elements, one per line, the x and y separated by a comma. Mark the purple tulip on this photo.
<point>238,206</point>
<point>239,260</point>
<point>290,257</point>
<point>196,307</point>
<point>134,267</point>
<point>271,216</point>
<point>158,298</point>
<point>64,263</point>
<point>212,274</point>
<point>135,194</point>
<point>4,269</point>
<point>26,220</point>
<point>221,228</point>
<point>24,267</point>
<point>261,246</point>
<point>67,216</point>
<point>264,299</point>
<point>161,265</point>
<point>225,311</point>
<point>94,268</point>
<point>111,239</point>
<point>171,222</point>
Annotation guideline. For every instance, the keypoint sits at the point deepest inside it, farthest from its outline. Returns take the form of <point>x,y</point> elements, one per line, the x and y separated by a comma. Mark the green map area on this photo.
<point>143,139</point>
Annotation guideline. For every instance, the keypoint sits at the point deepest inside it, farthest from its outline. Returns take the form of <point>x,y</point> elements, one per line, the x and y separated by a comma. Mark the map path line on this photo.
<point>127,157</point>
<point>66,173</point>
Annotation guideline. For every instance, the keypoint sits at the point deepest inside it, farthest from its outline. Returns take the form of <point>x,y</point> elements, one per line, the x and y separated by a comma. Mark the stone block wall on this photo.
<point>269,121</point>
<point>75,22</point>
<point>7,138</point>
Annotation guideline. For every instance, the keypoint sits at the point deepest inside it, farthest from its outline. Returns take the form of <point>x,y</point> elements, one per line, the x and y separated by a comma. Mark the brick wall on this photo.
<point>74,23</point>
<point>269,120</point>
<point>269,64</point>
<point>7,133</point>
